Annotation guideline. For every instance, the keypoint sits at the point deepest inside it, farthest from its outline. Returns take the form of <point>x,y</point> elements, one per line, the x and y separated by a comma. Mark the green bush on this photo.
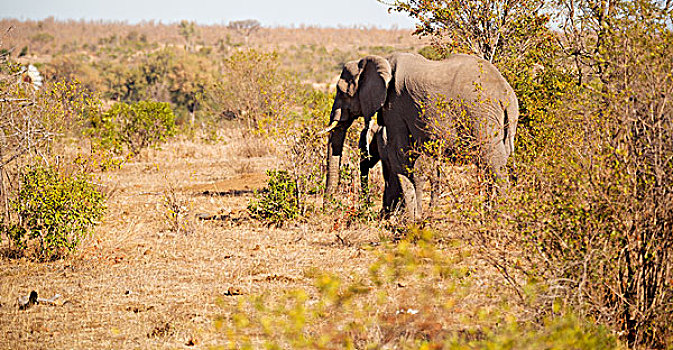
<point>56,209</point>
<point>133,126</point>
<point>568,332</point>
<point>280,202</point>
<point>431,53</point>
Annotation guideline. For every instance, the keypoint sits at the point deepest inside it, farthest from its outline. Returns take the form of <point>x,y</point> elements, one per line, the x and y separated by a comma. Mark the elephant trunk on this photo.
<point>335,147</point>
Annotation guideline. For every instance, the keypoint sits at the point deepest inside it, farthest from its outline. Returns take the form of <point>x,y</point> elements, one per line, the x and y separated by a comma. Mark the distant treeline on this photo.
<point>51,36</point>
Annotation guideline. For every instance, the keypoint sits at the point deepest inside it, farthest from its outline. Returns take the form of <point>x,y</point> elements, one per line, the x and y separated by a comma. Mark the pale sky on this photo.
<point>268,12</point>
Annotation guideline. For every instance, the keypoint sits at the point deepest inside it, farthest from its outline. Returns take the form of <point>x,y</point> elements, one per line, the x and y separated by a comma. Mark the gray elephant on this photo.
<point>403,88</point>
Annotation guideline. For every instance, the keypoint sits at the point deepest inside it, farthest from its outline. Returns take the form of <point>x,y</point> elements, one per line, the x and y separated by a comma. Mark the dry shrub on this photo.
<point>252,146</point>
<point>177,210</point>
<point>415,295</point>
<point>302,146</point>
<point>255,89</point>
<point>349,203</point>
<point>588,226</point>
<point>244,167</point>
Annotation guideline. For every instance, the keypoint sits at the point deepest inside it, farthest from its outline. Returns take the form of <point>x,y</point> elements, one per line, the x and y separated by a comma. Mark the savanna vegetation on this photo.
<point>167,181</point>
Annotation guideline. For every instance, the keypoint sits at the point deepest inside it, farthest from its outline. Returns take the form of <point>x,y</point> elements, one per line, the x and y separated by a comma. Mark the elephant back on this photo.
<point>458,76</point>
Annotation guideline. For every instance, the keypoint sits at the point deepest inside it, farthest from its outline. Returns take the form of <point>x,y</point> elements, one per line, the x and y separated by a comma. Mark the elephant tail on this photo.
<point>510,119</point>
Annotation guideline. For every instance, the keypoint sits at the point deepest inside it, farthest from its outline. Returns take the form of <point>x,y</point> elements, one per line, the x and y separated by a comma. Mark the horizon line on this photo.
<point>393,26</point>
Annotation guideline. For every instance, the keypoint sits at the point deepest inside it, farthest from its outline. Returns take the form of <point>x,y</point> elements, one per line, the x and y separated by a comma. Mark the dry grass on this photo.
<point>134,277</point>
<point>136,284</point>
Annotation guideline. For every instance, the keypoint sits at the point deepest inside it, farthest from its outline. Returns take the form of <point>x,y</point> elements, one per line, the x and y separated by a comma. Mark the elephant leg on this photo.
<point>392,192</point>
<point>496,168</point>
<point>434,188</point>
<point>393,199</point>
<point>419,182</point>
<point>369,156</point>
<point>364,160</point>
<point>409,191</point>
<point>418,177</point>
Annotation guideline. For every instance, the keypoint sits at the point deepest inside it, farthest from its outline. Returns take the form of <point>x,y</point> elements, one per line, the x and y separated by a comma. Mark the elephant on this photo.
<point>403,88</point>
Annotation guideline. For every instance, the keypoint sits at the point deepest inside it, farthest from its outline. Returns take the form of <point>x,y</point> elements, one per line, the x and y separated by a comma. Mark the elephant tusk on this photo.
<point>329,128</point>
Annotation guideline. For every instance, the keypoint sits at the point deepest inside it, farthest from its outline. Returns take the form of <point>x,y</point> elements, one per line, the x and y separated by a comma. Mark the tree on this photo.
<point>479,27</point>
<point>187,80</point>
<point>31,121</point>
<point>255,88</point>
<point>622,54</point>
<point>187,30</point>
<point>245,27</point>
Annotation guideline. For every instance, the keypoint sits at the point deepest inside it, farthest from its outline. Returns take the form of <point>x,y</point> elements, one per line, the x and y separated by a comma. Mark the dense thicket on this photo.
<point>592,213</point>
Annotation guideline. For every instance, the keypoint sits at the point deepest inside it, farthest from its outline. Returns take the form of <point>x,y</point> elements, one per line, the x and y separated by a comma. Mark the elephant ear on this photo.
<point>349,77</point>
<point>373,84</point>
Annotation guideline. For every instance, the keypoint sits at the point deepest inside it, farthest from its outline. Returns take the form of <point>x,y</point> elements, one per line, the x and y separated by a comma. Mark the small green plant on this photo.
<point>55,209</point>
<point>280,202</point>
<point>133,126</point>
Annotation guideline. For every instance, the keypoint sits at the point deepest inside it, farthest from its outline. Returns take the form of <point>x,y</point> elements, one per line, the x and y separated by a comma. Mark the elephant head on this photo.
<point>361,92</point>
